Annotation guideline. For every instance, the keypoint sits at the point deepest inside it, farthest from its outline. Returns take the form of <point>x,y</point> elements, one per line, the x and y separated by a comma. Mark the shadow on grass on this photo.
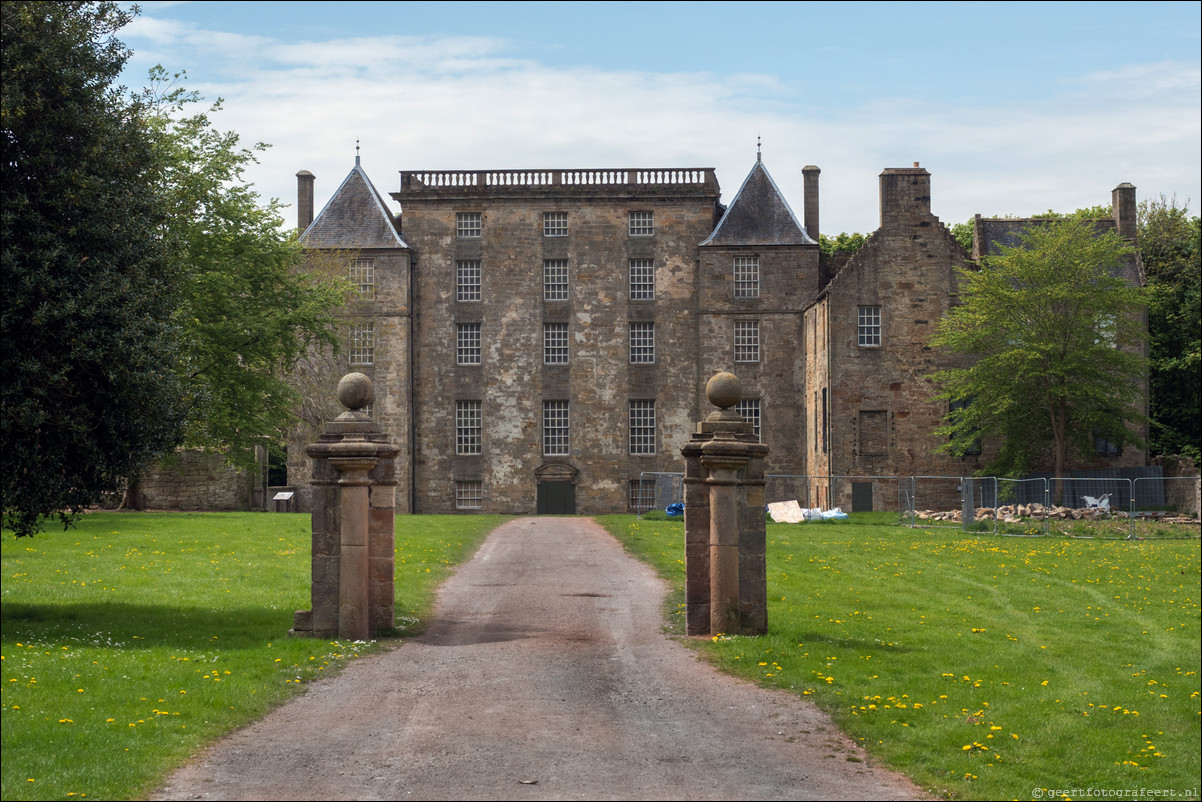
<point>849,643</point>
<point>145,624</point>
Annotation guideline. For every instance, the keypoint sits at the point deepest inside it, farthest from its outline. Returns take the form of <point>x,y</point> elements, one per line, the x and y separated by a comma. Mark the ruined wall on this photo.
<point>814,403</point>
<point>194,480</point>
<point>1182,487</point>
<point>882,416</point>
<point>512,380</point>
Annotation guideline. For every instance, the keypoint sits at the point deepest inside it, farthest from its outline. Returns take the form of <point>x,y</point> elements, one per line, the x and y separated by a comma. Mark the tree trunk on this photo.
<point>132,499</point>
<point>1059,447</point>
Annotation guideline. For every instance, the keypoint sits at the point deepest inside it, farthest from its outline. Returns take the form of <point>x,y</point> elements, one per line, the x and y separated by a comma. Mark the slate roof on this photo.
<point>992,232</point>
<point>759,215</point>
<point>355,217</point>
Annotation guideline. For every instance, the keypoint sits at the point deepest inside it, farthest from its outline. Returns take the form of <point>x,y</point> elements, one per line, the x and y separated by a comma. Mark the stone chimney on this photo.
<point>905,197</point>
<point>304,199</point>
<point>1122,204</point>
<point>810,178</point>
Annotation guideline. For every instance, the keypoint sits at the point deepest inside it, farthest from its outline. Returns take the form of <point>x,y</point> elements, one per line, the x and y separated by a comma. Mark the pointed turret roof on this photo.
<point>759,215</point>
<point>355,217</point>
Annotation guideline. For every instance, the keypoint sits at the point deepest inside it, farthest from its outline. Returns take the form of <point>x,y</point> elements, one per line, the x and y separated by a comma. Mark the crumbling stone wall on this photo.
<point>1182,487</point>
<point>880,414</point>
<point>816,399</point>
<point>195,480</point>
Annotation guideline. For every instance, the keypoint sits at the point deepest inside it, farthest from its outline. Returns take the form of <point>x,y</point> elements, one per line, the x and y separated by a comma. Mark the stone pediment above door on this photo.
<point>556,472</point>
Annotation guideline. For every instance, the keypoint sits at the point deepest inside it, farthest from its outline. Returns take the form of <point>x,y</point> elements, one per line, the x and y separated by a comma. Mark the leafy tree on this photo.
<point>840,244</point>
<point>89,341</point>
<point>149,299</point>
<point>1054,333</point>
<point>962,233</point>
<point>1169,243</point>
<point>250,309</point>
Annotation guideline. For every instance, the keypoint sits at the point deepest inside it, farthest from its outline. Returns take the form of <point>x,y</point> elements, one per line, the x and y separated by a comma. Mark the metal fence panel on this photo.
<point>1015,493</point>
<point>787,487</point>
<point>658,489</point>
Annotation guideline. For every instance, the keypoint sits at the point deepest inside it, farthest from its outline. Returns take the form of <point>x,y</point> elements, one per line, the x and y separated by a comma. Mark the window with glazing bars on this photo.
<point>468,224</point>
<point>363,277</point>
<point>363,344</point>
<point>469,495</point>
<point>468,425</point>
<point>555,343</point>
<point>749,410</point>
<point>555,429</point>
<point>641,495</point>
<point>747,341</point>
<point>555,224</point>
<point>555,279</point>
<point>642,427</point>
<point>467,280</point>
<point>642,224</point>
<point>467,343</point>
<point>747,276</point>
<point>642,343</point>
<point>870,326</point>
<point>642,279</point>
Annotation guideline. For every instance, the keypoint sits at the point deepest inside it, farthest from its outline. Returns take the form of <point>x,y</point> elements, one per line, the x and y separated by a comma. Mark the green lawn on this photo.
<point>982,666</point>
<point>134,639</point>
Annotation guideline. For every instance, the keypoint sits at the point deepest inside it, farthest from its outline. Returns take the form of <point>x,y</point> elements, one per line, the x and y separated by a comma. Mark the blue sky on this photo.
<point>1013,107</point>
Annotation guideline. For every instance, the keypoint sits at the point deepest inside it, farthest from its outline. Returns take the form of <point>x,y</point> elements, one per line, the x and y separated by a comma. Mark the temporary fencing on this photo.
<point>968,503</point>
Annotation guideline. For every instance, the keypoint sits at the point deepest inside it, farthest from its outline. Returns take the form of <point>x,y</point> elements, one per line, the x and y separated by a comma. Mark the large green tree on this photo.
<point>1053,330</point>
<point>251,307</point>
<point>90,283</point>
<point>1169,242</point>
<point>150,299</point>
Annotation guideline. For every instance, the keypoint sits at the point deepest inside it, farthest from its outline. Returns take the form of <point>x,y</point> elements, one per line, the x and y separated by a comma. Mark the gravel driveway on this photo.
<point>545,674</point>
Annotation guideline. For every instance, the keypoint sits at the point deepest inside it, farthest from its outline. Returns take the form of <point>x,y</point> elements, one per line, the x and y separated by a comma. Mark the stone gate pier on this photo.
<point>354,490</point>
<point>726,574</point>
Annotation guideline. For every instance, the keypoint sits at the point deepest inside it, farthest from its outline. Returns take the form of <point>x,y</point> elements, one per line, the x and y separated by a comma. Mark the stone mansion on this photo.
<point>541,339</point>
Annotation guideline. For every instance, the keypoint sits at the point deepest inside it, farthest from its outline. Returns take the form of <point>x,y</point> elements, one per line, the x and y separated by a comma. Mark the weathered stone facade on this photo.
<point>357,232</point>
<point>871,406</point>
<point>541,338</point>
<point>554,313</point>
<point>563,324</point>
<point>867,353</point>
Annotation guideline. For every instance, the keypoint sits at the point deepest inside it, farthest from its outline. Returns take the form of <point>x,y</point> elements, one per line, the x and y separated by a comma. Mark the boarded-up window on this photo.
<point>861,496</point>
<point>874,433</point>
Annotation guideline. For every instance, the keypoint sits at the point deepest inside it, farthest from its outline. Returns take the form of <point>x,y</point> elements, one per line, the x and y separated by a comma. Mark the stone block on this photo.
<point>325,593</point>
<point>302,622</point>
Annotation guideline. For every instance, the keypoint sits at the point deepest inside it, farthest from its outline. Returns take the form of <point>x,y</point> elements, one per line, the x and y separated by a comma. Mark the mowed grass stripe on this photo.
<point>984,667</point>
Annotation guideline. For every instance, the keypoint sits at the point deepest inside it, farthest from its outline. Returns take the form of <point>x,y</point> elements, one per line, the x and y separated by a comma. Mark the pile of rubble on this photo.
<point>1015,513</point>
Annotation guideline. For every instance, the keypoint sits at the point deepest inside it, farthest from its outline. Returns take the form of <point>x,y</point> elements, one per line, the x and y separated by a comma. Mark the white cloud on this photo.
<point>462,103</point>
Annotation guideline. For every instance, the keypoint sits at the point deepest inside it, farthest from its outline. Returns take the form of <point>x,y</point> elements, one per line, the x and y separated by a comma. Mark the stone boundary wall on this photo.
<point>1183,496</point>
<point>193,481</point>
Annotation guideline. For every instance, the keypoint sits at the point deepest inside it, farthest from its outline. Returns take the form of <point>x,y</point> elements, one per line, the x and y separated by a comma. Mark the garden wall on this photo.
<point>194,480</point>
